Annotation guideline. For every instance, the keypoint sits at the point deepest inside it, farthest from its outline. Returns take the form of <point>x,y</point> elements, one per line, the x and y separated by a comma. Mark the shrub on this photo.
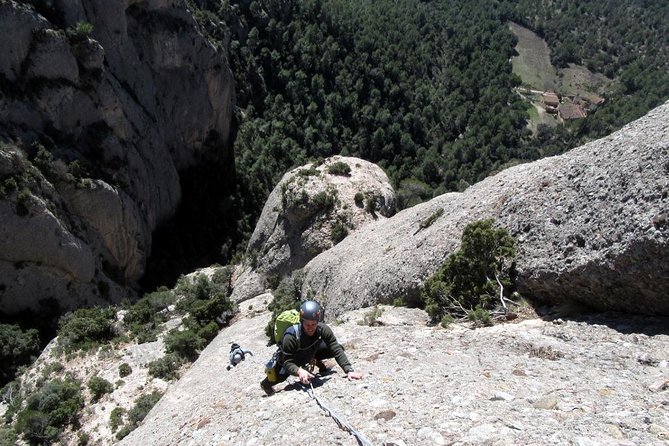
<point>371,318</point>
<point>339,232</point>
<point>208,332</point>
<point>44,162</point>
<point>17,348</point>
<point>120,435</point>
<point>86,328</point>
<point>480,316</point>
<point>49,410</point>
<point>8,437</point>
<point>51,368</point>
<point>124,370</point>
<point>339,168</point>
<point>205,311</point>
<point>308,172</point>
<point>207,305</point>
<point>99,387</point>
<point>24,195</point>
<point>83,438</point>
<point>273,281</point>
<point>468,278</point>
<point>83,28</point>
<point>12,396</point>
<point>166,368</point>
<point>116,418</point>
<point>431,219</point>
<point>371,205</point>
<point>184,343</point>
<point>141,408</point>
<point>400,301</point>
<point>446,320</point>
<point>324,200</point>
<point>205,300</point>
<point>11,184</point>
<point>359,198</point>
<point>222,277</point>
<point>143,318</point>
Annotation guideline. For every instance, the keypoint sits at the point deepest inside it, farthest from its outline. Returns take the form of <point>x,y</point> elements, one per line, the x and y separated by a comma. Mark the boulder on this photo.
<point>309,211</point>
<point>51,58</point>
<point>591,227</point>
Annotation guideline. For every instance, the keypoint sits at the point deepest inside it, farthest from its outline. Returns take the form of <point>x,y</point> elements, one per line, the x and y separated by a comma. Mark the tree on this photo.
<point>17,348</point>
<point>470,278</point>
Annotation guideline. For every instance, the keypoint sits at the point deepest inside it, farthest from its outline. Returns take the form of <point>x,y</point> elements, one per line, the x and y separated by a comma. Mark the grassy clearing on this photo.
<point>534,67</point>
<point>538,116</point>
<point>577,79</point>
<point>533,63</point>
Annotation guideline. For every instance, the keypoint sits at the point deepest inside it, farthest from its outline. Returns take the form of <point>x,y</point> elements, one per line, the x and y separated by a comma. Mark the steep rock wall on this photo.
<point>119,111</point>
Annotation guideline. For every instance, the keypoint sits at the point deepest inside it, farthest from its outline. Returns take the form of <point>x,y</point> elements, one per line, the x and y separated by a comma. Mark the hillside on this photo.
<point>425,89</point>
<point>140,140</point>
<point>582,239</point>
<point>113,183</point>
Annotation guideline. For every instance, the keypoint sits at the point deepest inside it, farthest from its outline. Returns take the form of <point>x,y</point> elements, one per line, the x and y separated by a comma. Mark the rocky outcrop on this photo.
<point>591,226</point>
<point>121,96</point>
<point>599,379</point>
<point>310,210</point>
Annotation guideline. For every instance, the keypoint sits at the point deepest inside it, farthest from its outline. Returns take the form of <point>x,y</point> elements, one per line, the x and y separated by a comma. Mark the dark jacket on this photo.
<point>299,352</point>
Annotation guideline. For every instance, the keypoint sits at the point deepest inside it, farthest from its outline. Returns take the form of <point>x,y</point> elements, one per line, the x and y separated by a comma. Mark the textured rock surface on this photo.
<point>141,98</point>
<point>302,212</point>
<point>600,379</point>
<point>591,225</point>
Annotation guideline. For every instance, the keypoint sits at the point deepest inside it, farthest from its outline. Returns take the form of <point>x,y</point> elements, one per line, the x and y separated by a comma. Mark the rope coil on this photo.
<point>341,422</point>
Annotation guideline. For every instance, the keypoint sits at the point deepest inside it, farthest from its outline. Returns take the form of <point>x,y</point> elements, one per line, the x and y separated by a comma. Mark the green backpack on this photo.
<point>284,320</point>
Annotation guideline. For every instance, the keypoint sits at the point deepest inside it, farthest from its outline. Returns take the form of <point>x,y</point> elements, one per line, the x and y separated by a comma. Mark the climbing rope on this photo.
<point>341,422</point>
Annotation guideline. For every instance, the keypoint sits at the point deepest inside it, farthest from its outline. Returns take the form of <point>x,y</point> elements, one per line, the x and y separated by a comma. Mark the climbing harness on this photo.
<point>341,422</point>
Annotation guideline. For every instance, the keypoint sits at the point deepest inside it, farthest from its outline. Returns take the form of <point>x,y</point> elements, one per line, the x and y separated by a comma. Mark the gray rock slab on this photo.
<point>442,386</point>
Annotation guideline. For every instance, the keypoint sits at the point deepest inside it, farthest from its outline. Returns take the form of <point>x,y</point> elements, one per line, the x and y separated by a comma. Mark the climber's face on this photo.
<point>309,327</point>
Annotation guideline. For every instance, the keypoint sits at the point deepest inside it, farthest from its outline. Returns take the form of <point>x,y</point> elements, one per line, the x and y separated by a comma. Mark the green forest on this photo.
<point>422,88</point>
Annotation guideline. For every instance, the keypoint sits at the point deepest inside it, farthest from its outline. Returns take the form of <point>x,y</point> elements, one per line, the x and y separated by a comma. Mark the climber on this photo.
<point>237,355</point>
<point>307,344</point>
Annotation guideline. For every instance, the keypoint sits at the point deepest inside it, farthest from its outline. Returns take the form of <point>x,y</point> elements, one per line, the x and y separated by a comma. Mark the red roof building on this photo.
<point>551,99</point>
<point>571,111</point>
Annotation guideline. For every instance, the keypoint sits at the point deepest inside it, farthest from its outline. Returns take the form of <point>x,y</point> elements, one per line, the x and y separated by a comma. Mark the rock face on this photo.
<point>599,379</point>
<point>95,127</point>
<point>308,212</point>
<point>591,226</point>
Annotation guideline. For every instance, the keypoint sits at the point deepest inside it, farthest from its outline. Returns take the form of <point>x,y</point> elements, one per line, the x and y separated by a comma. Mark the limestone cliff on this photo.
<point>102,103</point>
